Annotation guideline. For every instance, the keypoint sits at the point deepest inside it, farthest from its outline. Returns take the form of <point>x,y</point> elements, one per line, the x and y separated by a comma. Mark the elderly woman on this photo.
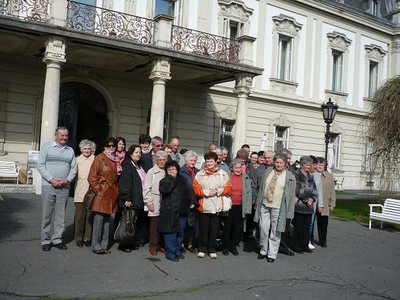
<point>275,203</point>
<point>82,219</point>
<point>241,206</point>
<point>102,179</point>
<point>189,171</point>
<point>210,185</point>
<point>151,198</point>
<point>131,184</point>
<point>177,197</point>
<point>306,195</point>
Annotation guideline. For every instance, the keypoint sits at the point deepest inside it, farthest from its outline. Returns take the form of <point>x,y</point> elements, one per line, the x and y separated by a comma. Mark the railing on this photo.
<point>31,10</point>
<point>110,23</point>
<point>205,44</point>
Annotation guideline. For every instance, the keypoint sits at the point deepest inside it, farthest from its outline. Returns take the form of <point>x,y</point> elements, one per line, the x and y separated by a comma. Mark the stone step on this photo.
<point>17,188</point>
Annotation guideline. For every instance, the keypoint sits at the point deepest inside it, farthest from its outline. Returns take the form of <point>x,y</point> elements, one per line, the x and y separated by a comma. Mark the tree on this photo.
<point>384,129</point>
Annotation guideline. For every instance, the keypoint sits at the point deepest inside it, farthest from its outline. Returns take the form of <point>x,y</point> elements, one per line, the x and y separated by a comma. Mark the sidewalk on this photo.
<point>357,264</point>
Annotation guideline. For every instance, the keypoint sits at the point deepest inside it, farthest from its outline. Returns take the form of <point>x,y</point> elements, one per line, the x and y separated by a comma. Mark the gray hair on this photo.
<point>156,138</point>
<point>60,128</point>
<point>241,153</point>
<point>280,155</point>
<point>85,142</point>
<point>236,161</point>
<point>305,160</point>
<point>188,154</point>
<point>286,152</point>
<point>160,153</point>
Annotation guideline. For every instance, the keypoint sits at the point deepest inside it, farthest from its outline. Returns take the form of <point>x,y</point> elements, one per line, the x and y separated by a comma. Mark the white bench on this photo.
<point>390,212</point>
<point>9,169</point>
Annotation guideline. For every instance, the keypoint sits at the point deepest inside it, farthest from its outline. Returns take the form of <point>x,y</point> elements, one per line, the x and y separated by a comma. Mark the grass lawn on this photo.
<point>357,210</point>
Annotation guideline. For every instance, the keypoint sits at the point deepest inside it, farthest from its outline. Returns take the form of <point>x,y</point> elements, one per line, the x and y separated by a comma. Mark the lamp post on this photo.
<point>329,110</point>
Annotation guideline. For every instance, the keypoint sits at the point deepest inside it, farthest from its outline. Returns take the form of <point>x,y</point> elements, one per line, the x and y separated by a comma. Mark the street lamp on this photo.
<point>329,110</point>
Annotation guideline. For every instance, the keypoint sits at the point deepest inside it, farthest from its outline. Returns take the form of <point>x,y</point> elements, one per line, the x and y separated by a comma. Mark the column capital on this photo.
<point>161,69</point>
<point>55,50</point>
<point>243,83</point>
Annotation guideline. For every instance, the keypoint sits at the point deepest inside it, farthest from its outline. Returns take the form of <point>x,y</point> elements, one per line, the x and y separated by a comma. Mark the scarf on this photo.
<point>113,158</point>
<point>269,193</point>
<point>191,172</point>
<point>211,171</point>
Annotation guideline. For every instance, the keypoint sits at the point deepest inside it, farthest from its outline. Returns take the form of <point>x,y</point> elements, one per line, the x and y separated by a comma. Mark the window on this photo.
<point>166,124</point>
<point>284,57</point>
<point>335,153</point>
<point>164,7</point>
<point>375,11</point>
<point>368,154</point>
<point>232,29</point>
<point>372,78</point>
<point>337,71</point>
<point>226,134</point>
<point>281,138</point>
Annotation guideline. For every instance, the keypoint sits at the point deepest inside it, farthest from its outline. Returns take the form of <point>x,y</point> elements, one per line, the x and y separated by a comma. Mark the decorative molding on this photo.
<point>283,86</point>
<point>281,121</point>
<point>55,50</point>
<point>286,25</point>
<point>235,10</point>
<point>243,84</point>
<point>161,69</point>
<point>335,128</point>
<point>338,41</point>
<point>375,52</point>
<point>229,113</point>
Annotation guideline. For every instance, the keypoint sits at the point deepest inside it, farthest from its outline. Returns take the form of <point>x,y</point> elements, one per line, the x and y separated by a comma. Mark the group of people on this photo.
<point>178,207</point>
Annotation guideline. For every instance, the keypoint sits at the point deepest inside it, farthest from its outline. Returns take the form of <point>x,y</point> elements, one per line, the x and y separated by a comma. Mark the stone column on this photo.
<point>160,73</point>
<point>395,56</point>
<point>54,57</point>
<point>246,50</point>
<point>162,34</point>
<point>242,89</point>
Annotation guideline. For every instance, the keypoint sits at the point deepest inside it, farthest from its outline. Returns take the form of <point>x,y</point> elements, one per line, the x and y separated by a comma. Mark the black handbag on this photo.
<point>126,229</point>
<point>88,199</point>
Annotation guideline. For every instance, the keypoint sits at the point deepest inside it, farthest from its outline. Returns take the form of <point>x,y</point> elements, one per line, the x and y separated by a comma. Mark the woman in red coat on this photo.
<point>102,179</point>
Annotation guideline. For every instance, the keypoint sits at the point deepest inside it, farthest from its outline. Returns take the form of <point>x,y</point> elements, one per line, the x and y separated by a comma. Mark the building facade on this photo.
<point>225,71</point>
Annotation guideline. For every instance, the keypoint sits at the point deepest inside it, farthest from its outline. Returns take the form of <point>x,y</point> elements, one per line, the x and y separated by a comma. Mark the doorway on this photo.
<point>83,111</point>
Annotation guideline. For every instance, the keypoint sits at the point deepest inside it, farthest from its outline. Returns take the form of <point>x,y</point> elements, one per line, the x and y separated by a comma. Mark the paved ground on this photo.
<point>358,264</point>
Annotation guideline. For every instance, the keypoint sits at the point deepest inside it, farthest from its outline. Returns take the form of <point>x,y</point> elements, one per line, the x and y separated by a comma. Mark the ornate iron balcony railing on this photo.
<point>110,23</point>
<point>205,44</point>
<point>30,10</point>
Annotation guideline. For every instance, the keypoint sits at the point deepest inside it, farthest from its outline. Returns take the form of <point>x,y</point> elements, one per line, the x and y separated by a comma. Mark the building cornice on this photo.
<point>350,15</point>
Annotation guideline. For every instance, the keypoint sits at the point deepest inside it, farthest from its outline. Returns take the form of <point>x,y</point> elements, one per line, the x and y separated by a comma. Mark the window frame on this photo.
<point>336,141</point>
<point>284,139</point>
<point>223,133</point>
<point>285,58</point>
<point>337,70</point>
<point>373,78</point>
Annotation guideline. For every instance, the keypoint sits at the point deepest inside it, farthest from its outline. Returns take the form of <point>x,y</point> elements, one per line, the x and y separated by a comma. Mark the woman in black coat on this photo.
<point>177,198</point>
<point>130,187</point>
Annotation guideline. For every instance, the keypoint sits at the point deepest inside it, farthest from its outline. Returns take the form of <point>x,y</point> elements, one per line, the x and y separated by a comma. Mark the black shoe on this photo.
<point>323,246</point>
<point>192,250</point>
<point>79,244</point>
<point>298,251</point>
<point>126,250</point>
<point>270,260</point>
<point>60,246</point>
<point>183,251</point>
<point>173,259</point>
<point>235,252</point>
<point>261,256</point>
<point>101,251</point>
<point>225,252</point>
<point>180,256</point>
<point>308,251</point>
<point>87,243</point>
<point>286,252</point>
<point>46,247</point>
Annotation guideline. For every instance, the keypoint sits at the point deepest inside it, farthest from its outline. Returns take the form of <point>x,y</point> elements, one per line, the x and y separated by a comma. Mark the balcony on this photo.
<point>110,40</point>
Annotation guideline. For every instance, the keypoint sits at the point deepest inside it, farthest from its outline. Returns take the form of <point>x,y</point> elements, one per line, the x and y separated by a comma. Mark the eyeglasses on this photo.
<point>110,146</point>
<point>158,146</point>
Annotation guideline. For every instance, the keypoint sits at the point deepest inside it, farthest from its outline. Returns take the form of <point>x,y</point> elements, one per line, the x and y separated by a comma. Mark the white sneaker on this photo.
<point>201,255</point>
<point>311,246</point>
<point>213,255</point>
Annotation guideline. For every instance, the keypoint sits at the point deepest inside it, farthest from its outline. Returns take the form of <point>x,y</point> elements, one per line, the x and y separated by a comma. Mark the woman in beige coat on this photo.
<point>82,219</point>
<point>151,198</point>
<point>329,201</point>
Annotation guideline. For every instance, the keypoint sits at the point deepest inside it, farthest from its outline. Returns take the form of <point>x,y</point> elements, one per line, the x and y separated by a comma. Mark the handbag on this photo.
<point>88,199</point>
<point>126,229</point>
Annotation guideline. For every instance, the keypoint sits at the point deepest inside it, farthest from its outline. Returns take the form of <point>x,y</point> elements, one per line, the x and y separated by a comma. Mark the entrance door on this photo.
<point>83,110</point>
